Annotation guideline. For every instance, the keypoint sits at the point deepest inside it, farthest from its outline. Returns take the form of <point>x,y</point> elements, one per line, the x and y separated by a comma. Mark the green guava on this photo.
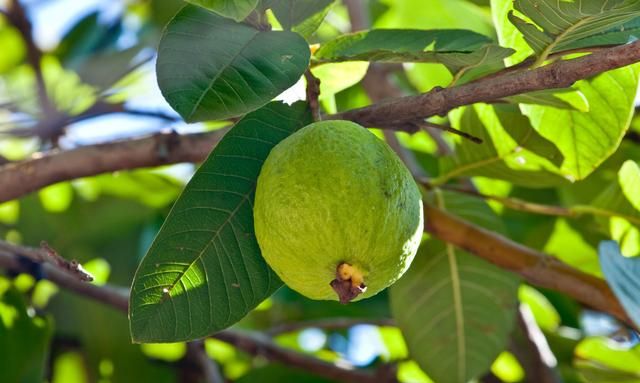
<point>337,214</point>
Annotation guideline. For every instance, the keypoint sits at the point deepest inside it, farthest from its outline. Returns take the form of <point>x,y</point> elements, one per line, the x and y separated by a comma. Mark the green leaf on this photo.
<point>587,139</point>
<point>24,340</point>
<point>599,359</point>
<point>584,139</point>
<point>437,14</point>
<point>620,202</point>
<point>460,51</point>
<point>511,151</point>
<point>561,99</point>
<point>302,16</point>
<point>560,25</point>
<point>204,271</point>
<point>455,310</point>
<point>235,9</point>
<point>13,47</point>
<point>623,275</point>
<point>210,67</point>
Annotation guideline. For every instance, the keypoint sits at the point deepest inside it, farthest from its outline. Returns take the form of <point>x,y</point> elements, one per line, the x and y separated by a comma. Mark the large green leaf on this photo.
<point>620,201</point>
<point>455,310</point>
<point>24,340</point>
<point>623,275</point>
<point>302,16</point>
<point>560,25</point>
<point>511,151</point>
<point>584,139</point>
<point>459,50</point>
<point>587,139</point>
<point>235,9</point>
<point>434,14</point>
<point>204,270</point>
<point>210,67</point>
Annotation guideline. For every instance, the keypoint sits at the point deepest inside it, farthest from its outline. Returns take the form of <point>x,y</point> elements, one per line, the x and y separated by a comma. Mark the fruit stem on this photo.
<point>349,283</point>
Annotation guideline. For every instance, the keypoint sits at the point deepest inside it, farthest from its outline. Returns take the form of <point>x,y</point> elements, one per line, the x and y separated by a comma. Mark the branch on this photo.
<point>560,74</point>
<point>536,208</point>
<point>20,178</point>
<point>330,324</point>
<point>259,344</point>
<point>535,267</point>
<point>530,347</point>
<point>18,18</point>
<point>111,296</point>
<point>206,368</point>
<point>426,124</point>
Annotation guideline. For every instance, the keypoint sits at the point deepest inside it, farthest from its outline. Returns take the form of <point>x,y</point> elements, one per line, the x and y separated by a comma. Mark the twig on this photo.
<point>20,178</point>
<point>446,128</point>
<point>328,324</point>
<point>259,344</point>
<point>17,16</point>
<point>357,16</point>
<point>530,347</point>
<point>206,368</point>
<point>560,74</point>
<point>535,267</point>
<point>313,92</point>
<point>111,296</point>
<point>536,208</point>
<point>47,255</point>
<point>72,266</point>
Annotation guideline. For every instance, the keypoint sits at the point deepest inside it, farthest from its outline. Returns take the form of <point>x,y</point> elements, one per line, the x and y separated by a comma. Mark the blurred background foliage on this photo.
<point>100,53</point>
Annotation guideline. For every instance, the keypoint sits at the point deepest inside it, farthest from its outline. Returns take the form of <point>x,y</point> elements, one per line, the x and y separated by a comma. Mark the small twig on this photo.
<point>530,347</point>
<point>330,324</point>
<point>357,15</point>
<point>111,296</point>
<point>72,266</point>
<point>206,368</point>
<point>536,208</point>
<point>47,255</point>
<point>258,344</point>
<point>424,125</point>
<point>17,16</point>
<point>313,92</point>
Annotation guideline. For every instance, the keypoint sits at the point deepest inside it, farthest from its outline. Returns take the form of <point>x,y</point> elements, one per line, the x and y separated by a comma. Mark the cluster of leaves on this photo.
<point>224,59</point>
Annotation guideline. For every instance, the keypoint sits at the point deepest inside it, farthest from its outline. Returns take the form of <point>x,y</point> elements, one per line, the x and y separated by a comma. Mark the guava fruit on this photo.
<point>337,215</point>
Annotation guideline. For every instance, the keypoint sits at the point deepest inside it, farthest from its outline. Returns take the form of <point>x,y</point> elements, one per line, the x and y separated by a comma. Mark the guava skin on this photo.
<point>333,193</point>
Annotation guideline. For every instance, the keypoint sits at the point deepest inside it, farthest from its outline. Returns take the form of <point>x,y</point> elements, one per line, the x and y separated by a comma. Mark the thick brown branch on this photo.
<point>537,268</point>
<point>20,178</point>
<point>561,74</point>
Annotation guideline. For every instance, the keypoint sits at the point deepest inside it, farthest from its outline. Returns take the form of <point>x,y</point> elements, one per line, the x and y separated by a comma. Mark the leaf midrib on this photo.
<point>215,236</point>
<point>197,104</point>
